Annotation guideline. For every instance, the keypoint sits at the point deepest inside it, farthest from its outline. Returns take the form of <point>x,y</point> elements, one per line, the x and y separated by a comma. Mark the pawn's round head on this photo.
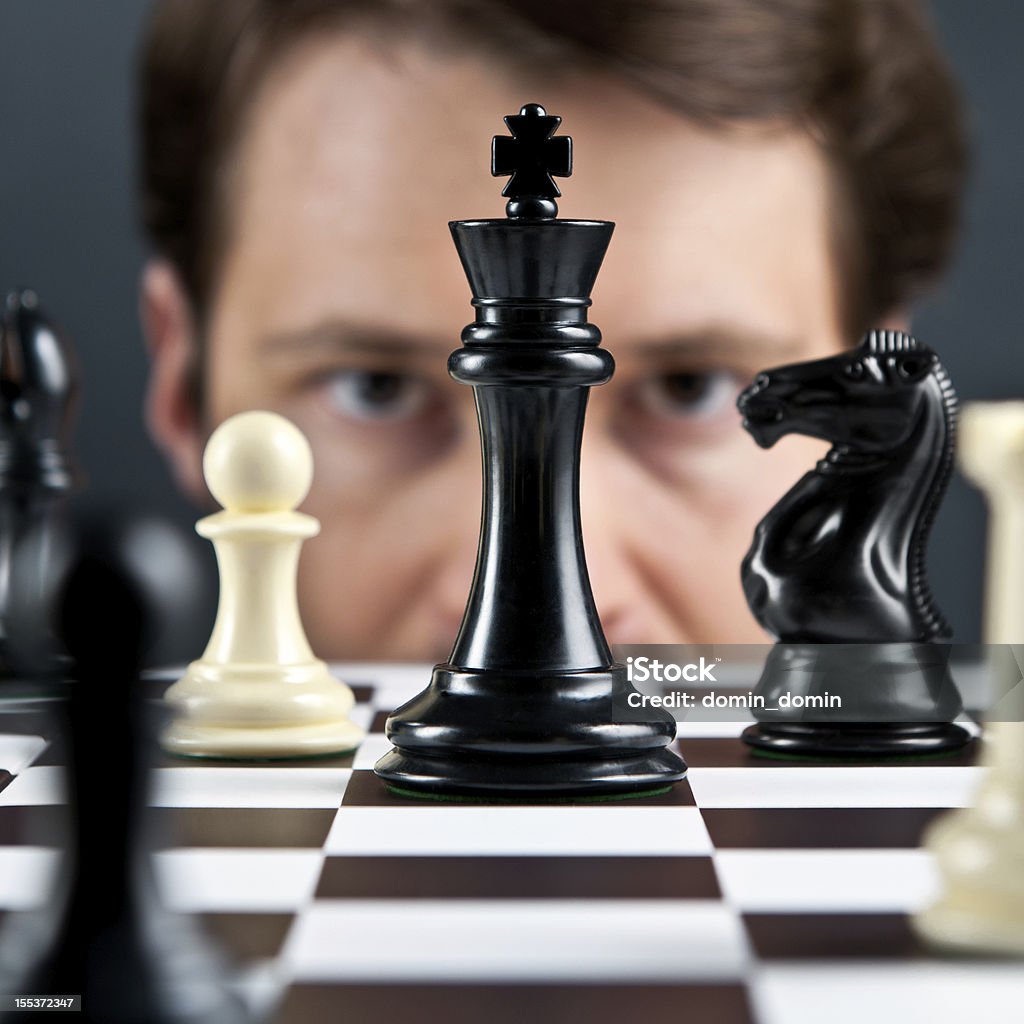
<point>258,462</point>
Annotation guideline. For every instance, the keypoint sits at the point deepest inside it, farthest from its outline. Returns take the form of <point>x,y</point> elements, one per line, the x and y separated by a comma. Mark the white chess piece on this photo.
<point>980,850</point>
<point>258,691</point>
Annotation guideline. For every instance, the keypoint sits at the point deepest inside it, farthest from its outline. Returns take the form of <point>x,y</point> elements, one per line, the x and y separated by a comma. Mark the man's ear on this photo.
<point>172,415</point>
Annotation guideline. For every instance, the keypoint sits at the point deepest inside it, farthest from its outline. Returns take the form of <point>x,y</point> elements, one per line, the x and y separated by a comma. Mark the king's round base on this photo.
<point>472,733</point>
<point>269,712</point>
<point>612,776</point>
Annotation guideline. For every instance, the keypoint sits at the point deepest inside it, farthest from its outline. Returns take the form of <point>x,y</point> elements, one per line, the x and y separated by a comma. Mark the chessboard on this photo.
<point>757,890</point>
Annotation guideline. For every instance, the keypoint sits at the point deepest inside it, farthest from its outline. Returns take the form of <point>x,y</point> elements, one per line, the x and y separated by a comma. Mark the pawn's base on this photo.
<point>194,739</point>
<point>855,740</point>
<point>519,736</point>
<point>260,712</point>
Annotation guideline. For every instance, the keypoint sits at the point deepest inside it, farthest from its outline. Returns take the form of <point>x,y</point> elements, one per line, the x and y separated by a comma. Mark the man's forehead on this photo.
<point>379,118</point>
<point>359,147</point>
<point>349,112</point>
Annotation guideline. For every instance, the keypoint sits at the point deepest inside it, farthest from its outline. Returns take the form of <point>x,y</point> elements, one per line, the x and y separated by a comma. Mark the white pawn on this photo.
<point>980,850</point>
<point>258,691</point>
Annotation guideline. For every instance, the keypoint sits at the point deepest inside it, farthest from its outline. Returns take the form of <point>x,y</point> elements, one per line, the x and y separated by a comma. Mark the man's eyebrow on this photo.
<point>735,342</point>
<point>342,336</point>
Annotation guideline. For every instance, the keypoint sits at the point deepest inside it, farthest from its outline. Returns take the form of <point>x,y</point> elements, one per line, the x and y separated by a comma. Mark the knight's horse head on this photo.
<point>867,400</point>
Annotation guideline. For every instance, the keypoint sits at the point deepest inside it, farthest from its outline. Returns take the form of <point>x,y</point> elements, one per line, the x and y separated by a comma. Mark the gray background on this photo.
<point>67,228</point>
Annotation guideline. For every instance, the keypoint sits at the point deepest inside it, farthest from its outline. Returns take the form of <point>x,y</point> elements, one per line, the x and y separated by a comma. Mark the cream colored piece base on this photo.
<point>254,711</point>
<point>980,850</point>
<point>281,742</point>
<point>980,855</point>
<point>965,930</point>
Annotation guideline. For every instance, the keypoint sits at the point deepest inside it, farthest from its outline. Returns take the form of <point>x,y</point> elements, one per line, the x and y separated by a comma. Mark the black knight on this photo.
<point>841,559</point>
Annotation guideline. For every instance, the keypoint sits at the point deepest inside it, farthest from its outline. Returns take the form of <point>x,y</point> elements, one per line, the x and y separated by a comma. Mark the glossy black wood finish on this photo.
<point>106,935</point>
<point>38,391</point>
<point>524,704</point>
<point>841,559</point>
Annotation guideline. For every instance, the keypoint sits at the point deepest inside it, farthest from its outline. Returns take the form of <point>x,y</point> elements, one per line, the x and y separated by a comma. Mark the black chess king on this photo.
<point>524,705</point>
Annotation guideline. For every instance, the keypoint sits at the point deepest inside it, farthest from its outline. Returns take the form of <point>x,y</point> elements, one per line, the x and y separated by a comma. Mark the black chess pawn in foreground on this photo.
<point>524,704</point>
<point>38,386</point>
<point>105,936</point>
<point>837,570</point>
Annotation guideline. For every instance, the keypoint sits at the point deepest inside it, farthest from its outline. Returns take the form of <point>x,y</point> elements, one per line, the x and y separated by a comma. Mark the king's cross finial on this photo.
<point>534,156</point>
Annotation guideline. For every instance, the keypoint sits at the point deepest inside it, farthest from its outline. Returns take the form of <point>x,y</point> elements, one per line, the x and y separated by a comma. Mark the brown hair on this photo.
<point>865,77</point>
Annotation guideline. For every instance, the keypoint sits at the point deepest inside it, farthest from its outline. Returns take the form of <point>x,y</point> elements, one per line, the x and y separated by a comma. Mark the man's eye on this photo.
<point>700,395</point>
<point>376,395</point>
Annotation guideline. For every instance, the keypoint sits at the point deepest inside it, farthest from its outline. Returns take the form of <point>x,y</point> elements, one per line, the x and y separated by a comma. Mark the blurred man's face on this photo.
<point>342,296</point>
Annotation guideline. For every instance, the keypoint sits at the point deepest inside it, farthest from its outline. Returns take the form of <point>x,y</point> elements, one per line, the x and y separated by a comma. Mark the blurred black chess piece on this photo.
<point>38,388</point>
<point>524,704</point>
<point>837,571</point>
<point>178,575</point>
<point>106,937</point>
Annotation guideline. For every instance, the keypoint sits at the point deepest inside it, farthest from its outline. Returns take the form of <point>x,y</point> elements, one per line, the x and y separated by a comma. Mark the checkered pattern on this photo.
<point>756,891</point>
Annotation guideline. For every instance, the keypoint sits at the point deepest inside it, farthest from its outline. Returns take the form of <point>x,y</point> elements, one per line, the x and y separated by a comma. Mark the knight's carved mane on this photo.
<point>888,342</point>
<point>892,342</point>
